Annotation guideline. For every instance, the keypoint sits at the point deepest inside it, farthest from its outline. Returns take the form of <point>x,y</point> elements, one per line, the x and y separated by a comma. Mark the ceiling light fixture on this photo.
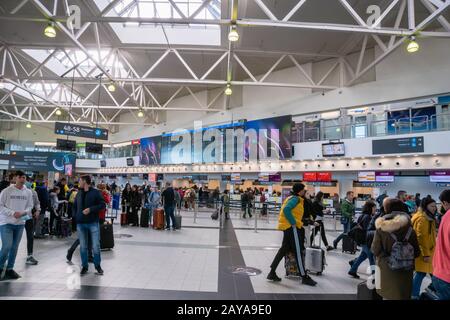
<point>111,87</point>
<point>233,36</point>
<point>228,90</point>
<point>58,112</point>
<point>140,113</point>
<point>413,46</point>
<point>50,30</point>
<point>28,125</point>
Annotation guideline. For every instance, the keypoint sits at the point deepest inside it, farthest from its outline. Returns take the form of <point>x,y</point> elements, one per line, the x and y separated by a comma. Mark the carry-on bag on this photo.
<point>106,236</point>
<point>348,244</point>
<point>363,292</point>
<point>123,219</point>
<point>315,257</point>
<point>158,219</point>
<point>144,218</point>
<point>178,219</point>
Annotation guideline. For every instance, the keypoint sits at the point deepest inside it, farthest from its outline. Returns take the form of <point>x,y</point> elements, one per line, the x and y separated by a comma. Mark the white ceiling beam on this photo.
<point>304,73</point>
<point>384,14</point>
<point>269,72</point>
<point>188,68</point>
<point>244,67</point>
<point>444,22</point>
<point>18,7</point>
<point>266,10</point>
<point>294,10</point>
<point>152,67</point>
<point>200,8</point>
<point>214,65</point>
<point>398,20</point>
<point>411,15</point>
<point>353,13</point>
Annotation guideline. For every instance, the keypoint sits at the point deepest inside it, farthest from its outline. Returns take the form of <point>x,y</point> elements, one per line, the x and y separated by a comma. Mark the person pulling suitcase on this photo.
<point>290,222</point>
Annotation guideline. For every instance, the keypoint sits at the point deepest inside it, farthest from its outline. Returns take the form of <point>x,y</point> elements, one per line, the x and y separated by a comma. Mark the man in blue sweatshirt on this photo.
<point>87,205</point>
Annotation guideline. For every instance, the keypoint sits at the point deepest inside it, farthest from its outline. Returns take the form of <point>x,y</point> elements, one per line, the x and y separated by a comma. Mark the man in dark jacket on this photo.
<point>87,205</point>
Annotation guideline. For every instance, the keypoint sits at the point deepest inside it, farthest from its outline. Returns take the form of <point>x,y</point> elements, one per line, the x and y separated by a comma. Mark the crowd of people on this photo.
<point>402,242</point>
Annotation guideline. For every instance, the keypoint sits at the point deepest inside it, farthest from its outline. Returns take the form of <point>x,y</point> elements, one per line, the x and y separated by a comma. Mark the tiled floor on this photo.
<point>192,263</point>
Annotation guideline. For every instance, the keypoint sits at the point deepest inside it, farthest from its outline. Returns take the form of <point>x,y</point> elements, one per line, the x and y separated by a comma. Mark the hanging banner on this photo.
<point>70,129</point>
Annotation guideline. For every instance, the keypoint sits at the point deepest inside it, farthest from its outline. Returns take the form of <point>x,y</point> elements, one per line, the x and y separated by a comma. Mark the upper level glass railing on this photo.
<point>440,122</point>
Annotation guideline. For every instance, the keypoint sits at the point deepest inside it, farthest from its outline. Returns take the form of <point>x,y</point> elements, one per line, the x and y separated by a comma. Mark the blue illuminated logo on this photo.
<point>98,132</point>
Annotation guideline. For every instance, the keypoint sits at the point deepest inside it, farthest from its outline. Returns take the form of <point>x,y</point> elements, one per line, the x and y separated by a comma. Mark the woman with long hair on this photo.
<point>317,212</point>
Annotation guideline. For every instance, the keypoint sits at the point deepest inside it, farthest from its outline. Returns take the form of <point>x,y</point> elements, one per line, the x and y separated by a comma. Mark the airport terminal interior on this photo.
<point>224,149</point>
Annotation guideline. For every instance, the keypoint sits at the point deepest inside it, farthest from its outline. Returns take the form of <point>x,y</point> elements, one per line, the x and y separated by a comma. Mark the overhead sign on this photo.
<point>399,145</point>
<point>310,176</point>
<point>440,176</point>
<point>366,176</point>
<point>384,176</point>
<point>70,129</point>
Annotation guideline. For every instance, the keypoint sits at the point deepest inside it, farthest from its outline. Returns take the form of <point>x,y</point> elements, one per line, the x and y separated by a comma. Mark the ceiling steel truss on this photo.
<point>137,87</point>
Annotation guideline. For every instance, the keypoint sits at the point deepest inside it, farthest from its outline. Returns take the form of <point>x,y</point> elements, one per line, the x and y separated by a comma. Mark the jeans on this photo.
<point>76,243</point>
<point>288,246</point>
<point>84,230</point>
<point>347,227</point>
<point>170,215</point>
<point>417,283</point>
<point>11,235</point>
<point>442,288</point>
<point>365,253</point>
<point>29,228</point>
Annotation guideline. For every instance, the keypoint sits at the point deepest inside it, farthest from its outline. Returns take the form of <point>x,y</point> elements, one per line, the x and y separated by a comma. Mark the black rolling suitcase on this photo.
<point>178,219</point>
<point>144,218</point>
<point>348,245</point>
<point>365,293</point>
<point>106,236</point>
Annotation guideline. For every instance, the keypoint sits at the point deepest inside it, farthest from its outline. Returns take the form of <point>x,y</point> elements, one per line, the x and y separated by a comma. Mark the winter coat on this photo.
<point>395,285</point>
<point>425,228</point>
<point>347,209</point>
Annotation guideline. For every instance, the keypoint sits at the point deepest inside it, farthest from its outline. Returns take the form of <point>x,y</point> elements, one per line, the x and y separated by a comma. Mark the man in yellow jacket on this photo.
<point>290,219</point>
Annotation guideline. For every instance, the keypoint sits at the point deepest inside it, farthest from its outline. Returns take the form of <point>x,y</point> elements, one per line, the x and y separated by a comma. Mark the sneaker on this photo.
<point>307,280</point>
<point>353,274</point>
<point>11,275</point>
<point>329,248</point>
<point>84,270</point>
<point>99,270</point>
<point>69,256</point>
<point>273,277</point>
<point>31,261</point>
<point>168,229</point>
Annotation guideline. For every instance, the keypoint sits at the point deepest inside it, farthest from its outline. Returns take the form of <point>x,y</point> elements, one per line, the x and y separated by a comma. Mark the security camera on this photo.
<point>318,166</point>
<point>364,164</point>
<point>306,165</point>
<point>437,162</point>
<point>332,165</point>
<point>380,164</point>
<point>417,163</point>
<point>348,164</point>
<point>397,163</point>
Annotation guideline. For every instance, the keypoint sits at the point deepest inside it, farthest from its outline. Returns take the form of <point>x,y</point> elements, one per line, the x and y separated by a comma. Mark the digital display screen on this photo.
<point>235,177</point>
<point>384,176</point>
<point>333,149</point>
<point>440,176</point>
<point>130,162</point>
<point>400,145</point>
<point>150,150</point>
<point>324,176</point>
<point>366,176</point>
<point>94,148</point>
<point>263,177</point>
<point>102,163</point>
<point>152,177</point>
<point>68,170</point>
<point>70,129</point>
<point>275,177</point>
<point>39,161</point>
<point>66,145</point>
<point>310,176</point>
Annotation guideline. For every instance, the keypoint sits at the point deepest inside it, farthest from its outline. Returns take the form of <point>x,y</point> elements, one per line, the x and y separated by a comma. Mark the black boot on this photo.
<point>273,276</point>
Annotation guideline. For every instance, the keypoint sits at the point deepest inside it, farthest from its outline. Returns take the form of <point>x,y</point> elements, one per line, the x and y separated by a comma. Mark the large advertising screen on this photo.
<point>40,161</point>
<point>266,139</point>
<point>150,151</point>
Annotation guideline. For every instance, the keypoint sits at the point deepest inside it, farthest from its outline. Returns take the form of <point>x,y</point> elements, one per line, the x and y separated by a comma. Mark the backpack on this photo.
<point>402,253</point>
